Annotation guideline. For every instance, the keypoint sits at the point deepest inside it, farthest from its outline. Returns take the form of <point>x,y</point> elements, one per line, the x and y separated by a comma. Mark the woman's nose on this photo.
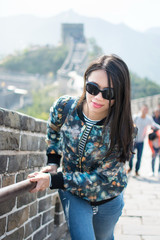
<point>99,96</point>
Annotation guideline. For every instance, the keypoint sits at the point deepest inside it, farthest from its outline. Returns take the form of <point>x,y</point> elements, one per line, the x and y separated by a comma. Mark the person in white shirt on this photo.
<point>142,122</point>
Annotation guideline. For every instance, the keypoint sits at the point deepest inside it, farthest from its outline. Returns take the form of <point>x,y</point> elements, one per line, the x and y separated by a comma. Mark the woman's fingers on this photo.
<point>50,168</point>
<point>42,180</point>
<point>31,175</point>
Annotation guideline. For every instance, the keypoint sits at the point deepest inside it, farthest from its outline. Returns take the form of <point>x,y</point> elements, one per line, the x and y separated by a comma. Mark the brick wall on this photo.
<point>22,150</point>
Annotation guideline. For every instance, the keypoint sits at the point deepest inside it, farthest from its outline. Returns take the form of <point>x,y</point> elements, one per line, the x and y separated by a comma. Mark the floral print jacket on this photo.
<point>92,177</point>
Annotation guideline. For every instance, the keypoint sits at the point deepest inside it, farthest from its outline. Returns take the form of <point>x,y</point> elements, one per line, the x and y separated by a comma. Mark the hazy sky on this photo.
<point>138,14</point>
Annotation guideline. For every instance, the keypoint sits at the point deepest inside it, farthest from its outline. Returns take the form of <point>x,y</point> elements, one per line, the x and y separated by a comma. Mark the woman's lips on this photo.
<point>96,105</point>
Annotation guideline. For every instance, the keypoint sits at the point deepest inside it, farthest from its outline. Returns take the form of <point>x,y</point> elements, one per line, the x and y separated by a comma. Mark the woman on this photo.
<point>95,140</point>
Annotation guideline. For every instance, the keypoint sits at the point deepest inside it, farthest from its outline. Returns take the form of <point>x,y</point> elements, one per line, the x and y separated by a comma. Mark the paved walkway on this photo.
<point>141,215</point>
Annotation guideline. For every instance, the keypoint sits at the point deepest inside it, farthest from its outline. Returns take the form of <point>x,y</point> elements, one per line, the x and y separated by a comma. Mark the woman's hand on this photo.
<point>42,179</point>
<point>49,168</point>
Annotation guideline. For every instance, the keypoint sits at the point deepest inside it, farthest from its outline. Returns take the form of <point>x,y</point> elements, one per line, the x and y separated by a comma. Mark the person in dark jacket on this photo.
<point>93,144</point>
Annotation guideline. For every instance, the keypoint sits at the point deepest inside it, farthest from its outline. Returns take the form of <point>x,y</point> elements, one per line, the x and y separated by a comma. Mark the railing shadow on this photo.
<point>16,189</point>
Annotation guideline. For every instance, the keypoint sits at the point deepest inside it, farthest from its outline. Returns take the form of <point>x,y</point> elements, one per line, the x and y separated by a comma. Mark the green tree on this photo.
<point>94,50</point>
<point>142,87</point>
<point>41,60</point>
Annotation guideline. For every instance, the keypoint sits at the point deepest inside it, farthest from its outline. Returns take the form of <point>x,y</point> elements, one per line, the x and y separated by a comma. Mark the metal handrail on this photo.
<point>16,189</point>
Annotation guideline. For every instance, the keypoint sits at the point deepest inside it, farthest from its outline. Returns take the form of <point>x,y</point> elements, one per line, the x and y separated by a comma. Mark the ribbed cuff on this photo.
<point>54,158</point>
<point>57,181</point>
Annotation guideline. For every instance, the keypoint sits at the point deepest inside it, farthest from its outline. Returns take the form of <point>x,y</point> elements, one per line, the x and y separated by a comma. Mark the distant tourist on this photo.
<point>154,143</point>
<point>156,115</point>
<point>94,140</point>
<point>142,122</point>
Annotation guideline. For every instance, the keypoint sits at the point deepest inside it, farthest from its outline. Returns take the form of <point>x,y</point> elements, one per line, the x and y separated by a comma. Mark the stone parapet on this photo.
<point>22,151</point>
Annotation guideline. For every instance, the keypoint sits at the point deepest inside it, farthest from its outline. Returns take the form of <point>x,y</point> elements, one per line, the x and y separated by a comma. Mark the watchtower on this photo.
<point>74,31</point>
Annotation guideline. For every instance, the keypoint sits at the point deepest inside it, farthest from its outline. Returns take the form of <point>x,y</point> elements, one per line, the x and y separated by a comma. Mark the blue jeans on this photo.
<point>91,222</point>
<point>139,147</point>
<point>157,153</point>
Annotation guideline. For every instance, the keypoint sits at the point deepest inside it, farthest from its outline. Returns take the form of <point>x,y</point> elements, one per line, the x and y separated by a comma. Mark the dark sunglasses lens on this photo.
<point>92,89</point>
<point>106,94</point>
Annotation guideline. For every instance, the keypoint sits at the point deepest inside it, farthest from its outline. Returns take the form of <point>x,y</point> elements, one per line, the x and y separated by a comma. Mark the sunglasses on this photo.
<point>93,89</point>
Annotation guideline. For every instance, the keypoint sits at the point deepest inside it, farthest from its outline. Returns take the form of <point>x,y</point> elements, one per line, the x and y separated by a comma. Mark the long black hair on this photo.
<point>119,116</point>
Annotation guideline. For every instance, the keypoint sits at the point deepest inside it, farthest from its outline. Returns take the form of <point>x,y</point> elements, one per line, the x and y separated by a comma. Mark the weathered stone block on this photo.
<point>59,231</point>
<point>45,204</point>
<point>0,181</point>
<point>8,180</point>
<point>17,163</point>
<point>3,164</point>
<point>7,206</point>
<point>21,176</point>
<point>33,210</point>
<point>40,235</point>
<point>51,226</point>
<point>37,125</point>
<point>16,219</point>
<point>27,123</point>
<point>25,199</point>
<point>1,116</point>
<point>42,144</point>
<point>48,216</point>
<point>9,140</point>
<point>18,235</point>
<point>41,194</point>
<point>12,119</point>
<point>32,226</point>
<point>36,160</point>
<point>29,143</point>
<point>2,226</point>
<point>43,127</point>
<point>52,191</point>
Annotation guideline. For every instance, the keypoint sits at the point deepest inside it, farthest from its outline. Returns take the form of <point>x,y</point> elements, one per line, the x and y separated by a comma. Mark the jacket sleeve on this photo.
<point>106,174</point>
<point>53,130</point>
